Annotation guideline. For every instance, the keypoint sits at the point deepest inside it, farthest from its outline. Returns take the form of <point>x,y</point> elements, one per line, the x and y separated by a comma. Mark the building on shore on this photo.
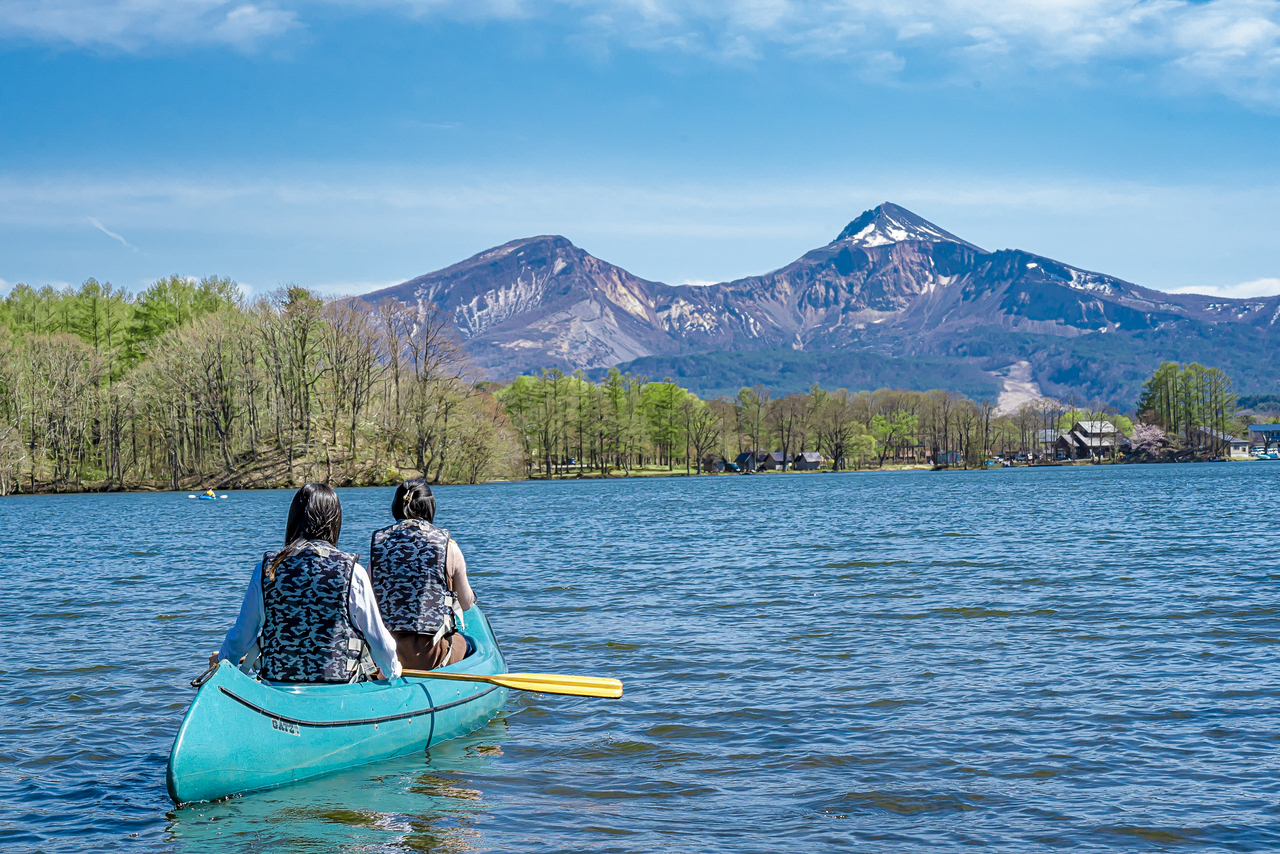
<point>773,461</point>
<point>750,460</point>
<point>1044,442</point>
<point>1090,440</point>
<point>807,461</point>
<point>949,458</point>
<point>1220,443</point>
<point>1265,435</point>
<point>717,463</point>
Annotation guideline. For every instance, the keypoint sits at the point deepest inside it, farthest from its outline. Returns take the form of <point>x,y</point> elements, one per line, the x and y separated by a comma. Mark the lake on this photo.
<point>1027,660</point>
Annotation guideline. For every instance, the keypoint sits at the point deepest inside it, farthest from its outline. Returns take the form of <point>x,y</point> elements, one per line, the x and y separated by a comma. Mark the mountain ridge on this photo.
<point>891,283</point>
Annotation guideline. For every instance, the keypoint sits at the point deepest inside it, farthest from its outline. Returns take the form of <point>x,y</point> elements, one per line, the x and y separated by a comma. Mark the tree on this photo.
<point>1148,439</point>
<point>837,426</point>
<point>1195,403</point>
<point>61,375</point>
<point>176,301</point>
<point>787,415</point>
<point>891,431</point>
<point>752,404</point>
<point>702,425</point>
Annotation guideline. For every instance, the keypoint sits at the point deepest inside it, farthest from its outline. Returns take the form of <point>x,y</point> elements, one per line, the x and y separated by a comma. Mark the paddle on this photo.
<point>543,683</point>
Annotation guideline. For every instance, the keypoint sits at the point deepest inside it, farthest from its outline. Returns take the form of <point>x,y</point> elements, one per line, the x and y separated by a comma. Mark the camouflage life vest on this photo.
<point>407,565</point>
<point>307,634</point>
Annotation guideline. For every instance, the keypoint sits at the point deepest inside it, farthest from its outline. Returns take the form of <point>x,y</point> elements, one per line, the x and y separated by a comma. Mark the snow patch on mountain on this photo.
<point>1017,387</point>
<point>486,310</point>
<point>889,224</point>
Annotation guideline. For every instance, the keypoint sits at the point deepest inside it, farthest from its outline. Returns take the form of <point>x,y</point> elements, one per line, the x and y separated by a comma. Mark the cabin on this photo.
<point>750,460</point>
<point>774,461</point>
<point>808,461</point>
<point>1265,435</point>
<point>1040,445</point>
<point>1218,441</point>
<point>1044,442</point>
<point>1090,440</point>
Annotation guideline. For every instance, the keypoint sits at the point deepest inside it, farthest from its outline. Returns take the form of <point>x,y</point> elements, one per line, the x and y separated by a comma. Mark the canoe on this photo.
<point>241,735</point>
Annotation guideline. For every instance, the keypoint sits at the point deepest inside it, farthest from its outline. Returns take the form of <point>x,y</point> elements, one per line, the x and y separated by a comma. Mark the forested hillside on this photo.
<point>187,385</point>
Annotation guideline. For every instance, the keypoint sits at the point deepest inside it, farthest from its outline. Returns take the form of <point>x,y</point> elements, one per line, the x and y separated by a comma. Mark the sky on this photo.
<point>346,145</point>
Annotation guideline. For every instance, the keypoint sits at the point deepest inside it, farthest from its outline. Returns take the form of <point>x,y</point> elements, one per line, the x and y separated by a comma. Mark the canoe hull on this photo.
<point>240,735</point>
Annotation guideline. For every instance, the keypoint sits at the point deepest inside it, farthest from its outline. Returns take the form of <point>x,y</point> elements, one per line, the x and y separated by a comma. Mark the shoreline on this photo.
<point>595,475</point>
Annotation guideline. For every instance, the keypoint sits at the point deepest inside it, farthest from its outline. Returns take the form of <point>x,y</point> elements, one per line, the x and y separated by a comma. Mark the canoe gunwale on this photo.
<point>362,721</point>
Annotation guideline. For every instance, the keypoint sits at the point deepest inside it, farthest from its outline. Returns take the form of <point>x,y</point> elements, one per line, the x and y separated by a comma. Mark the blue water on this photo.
<point>1025,660</point>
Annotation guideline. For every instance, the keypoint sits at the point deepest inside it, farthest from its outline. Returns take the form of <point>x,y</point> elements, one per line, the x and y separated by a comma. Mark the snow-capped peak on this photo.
<point>889,223</point>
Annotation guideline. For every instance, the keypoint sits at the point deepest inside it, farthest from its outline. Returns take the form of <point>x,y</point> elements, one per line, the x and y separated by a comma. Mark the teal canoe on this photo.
<point>241,735</point>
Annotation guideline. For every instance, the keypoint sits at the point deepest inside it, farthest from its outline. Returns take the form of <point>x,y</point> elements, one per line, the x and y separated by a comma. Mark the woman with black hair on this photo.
<point>310,607</point>
<point>420,580</point>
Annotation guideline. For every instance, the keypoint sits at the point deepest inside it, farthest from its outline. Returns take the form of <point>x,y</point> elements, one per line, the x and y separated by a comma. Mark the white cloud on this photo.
<point>1266,287</point>
<point>350,288</point>
<point>1232,46</point>
<point>135,24</point>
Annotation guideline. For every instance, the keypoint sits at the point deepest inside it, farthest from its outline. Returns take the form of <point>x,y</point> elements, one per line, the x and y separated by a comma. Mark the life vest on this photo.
<point>307,634</point>
<point>410,580</point>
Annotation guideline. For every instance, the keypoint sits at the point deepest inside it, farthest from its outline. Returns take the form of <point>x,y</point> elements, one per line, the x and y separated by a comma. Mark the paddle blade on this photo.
<point>543,683</point>
<point>574,686</point>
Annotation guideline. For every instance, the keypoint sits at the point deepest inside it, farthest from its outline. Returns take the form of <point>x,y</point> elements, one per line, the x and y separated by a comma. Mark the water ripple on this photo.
<point>1024,661</point>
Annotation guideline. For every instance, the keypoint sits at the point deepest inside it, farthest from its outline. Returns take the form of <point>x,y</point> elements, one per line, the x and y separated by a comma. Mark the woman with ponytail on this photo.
<point>420,580</point>
<point>310,607</point>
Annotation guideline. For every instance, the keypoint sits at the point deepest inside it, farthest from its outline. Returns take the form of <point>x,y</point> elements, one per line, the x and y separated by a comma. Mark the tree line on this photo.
<point>567,425</point>
<point>187,384</point>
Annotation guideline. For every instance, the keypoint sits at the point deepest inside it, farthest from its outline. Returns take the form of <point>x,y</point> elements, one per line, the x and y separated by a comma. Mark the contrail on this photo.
<point>112,234</point>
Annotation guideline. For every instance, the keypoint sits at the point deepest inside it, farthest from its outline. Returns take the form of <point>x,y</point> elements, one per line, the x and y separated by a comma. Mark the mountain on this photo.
<point>891,285</point>
<point>541,302</point>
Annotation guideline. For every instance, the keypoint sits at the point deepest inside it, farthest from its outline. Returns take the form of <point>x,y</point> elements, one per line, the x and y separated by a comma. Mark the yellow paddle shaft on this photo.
<point>543,683</point>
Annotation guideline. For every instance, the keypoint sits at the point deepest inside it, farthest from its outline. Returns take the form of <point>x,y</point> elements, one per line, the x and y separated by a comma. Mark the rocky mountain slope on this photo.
<point>891,284</point>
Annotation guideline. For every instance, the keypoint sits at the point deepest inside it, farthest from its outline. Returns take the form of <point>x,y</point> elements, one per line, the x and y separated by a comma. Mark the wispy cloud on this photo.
<point>1231,46</point>
<point>1266,287</point>
<point>137,24</point>
<point>109,233</point>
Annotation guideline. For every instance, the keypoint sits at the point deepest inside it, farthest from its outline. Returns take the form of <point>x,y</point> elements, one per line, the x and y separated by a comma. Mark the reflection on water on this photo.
<point>414,803</point>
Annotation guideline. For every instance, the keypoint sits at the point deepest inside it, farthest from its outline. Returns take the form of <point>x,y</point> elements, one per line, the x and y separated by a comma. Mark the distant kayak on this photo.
<point>241,735</point>
<point>207,497</point>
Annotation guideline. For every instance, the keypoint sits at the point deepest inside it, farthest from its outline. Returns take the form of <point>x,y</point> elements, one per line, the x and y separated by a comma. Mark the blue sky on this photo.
<point>351,145</point>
